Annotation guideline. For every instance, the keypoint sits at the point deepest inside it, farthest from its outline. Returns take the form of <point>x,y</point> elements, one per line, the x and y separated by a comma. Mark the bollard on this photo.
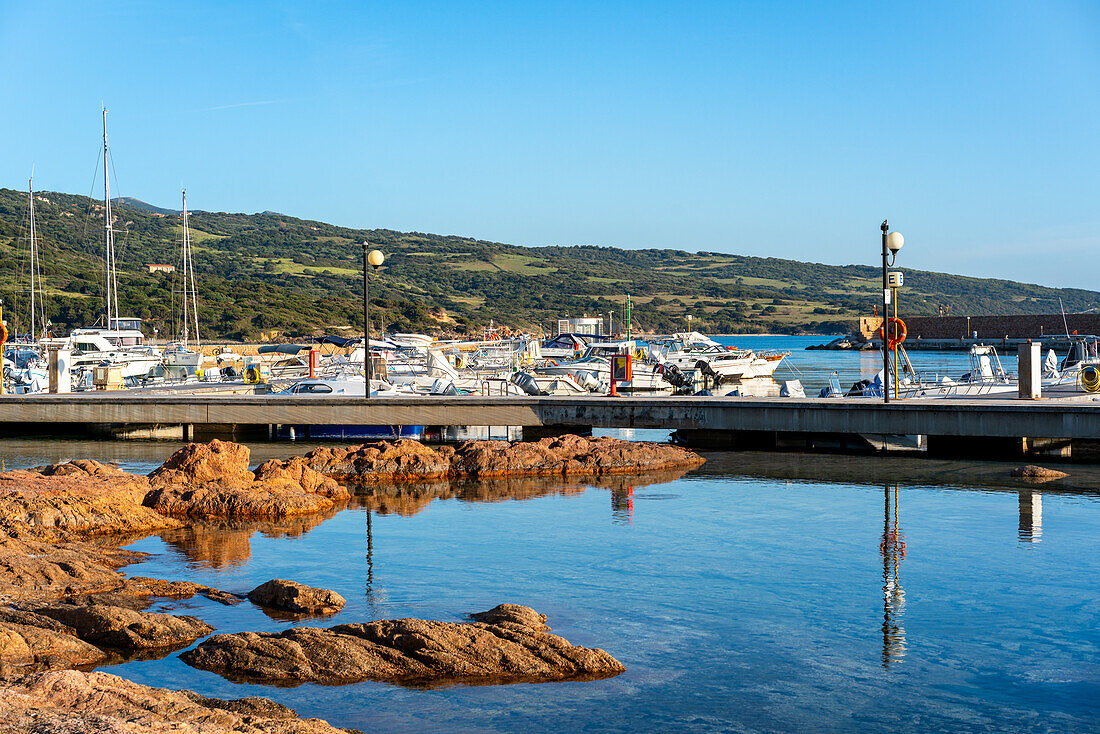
<point>1030,381</point>
<point>60,375</point>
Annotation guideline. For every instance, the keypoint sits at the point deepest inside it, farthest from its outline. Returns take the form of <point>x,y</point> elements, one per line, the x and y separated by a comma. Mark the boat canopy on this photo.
<point>340,341</point>
<point>281,349</point>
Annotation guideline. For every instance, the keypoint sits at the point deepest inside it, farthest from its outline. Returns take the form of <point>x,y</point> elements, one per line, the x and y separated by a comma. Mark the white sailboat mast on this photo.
<point>112,272</point>
<point>38,303</point>
<point>190,302</point>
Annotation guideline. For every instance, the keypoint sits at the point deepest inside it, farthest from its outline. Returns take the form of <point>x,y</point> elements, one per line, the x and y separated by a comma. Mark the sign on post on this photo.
<point>621,365</point>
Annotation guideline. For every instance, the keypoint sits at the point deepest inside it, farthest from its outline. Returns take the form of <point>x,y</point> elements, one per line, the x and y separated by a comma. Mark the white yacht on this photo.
<point>122,346</point>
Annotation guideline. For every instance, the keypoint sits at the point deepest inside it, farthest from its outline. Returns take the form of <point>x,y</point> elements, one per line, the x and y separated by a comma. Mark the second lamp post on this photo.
<point>891,243</point>
<point>374,258</point>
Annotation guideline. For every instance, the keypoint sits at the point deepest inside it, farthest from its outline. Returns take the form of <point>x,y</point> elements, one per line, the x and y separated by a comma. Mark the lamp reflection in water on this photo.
<point>1031,516</point>
<point>372,594</point>
<point>622,505</point>
<point>892,549</point>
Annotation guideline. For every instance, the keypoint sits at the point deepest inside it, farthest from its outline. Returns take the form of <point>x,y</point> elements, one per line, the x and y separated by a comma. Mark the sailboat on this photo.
<point>180,355</point>
<point>24,368</point>
<point>121,344</point>
<point>38,299</point>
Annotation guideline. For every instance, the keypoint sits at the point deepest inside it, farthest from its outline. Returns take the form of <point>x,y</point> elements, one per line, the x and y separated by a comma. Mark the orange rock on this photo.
<point>212,481</point>
<point>200,463</point>
<point>76,499</point>
<point>512,646</point>
<point>408,461</point>
<point>94,703</point>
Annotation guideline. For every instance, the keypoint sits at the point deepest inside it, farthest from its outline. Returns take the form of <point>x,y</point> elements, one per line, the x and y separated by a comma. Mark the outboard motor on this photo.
<point>704,368</point>
<point>526,383</point>
<point>673,375</point>
<point>588,381</point>
<point>443,386</point>
<point>857,389</point>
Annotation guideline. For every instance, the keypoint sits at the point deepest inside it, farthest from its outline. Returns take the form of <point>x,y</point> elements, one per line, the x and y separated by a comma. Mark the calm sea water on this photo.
<point>814,368</point>
<point>758,593</point>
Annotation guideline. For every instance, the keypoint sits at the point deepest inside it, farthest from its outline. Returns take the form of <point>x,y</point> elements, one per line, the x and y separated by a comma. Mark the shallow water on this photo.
<point>760,592</point>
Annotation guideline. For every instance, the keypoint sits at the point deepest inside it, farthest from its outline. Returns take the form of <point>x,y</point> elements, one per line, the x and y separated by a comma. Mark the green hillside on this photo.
<point>265,274</point>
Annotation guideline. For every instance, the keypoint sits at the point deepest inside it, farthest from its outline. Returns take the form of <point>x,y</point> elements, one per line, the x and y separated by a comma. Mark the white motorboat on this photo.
<point>593,370</point>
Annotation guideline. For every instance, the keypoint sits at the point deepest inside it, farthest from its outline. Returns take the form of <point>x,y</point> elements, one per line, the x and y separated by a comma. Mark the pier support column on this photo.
<point>535,433</point>
<point>1031,516</point>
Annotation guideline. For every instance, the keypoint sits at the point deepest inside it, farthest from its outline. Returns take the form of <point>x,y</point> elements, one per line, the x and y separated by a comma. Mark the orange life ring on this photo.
<point>3,333</point>
<point>552,362</point>
<point>900,332</point>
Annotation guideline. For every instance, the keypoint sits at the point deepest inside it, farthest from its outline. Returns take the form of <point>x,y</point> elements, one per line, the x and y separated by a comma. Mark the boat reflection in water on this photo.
<point>892,549</point>
<point>622,505</point>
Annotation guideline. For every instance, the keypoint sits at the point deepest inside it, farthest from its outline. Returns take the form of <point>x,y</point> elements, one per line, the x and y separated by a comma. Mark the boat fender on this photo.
<point>1090,378</point>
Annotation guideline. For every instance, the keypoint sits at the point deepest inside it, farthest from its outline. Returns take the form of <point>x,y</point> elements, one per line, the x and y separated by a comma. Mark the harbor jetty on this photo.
<point>960,333</point>
<point>979,425</point>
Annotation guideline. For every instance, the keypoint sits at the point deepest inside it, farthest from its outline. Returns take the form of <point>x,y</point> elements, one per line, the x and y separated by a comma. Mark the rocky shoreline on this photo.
<point>65,607</point>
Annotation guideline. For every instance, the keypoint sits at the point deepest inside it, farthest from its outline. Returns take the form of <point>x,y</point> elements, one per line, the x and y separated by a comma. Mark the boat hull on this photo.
<point>344,432</point>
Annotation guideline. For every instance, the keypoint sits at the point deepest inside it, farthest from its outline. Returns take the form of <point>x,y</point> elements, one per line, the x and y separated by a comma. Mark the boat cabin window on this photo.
<point>313,388</point>
<point>126,324</point>
<point>86,347</point>
<point>131,341</point>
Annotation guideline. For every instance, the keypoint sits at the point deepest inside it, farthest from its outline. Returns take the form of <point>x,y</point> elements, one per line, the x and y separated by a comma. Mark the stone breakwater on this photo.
<point>565,456</point>
<point>65,607</point>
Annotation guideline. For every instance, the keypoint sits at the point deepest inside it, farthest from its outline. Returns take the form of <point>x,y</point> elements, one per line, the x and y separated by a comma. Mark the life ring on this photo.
<point>494,337</point>
<point>553,363</point>
<point>899,335</point>
<point>3,333</point>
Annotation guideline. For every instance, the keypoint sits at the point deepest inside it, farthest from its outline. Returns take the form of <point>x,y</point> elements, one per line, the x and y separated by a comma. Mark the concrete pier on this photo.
<point>1001,423</point>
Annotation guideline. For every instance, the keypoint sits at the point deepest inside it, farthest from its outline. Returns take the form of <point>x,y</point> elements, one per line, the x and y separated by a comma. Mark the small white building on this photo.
<point>585,325</point>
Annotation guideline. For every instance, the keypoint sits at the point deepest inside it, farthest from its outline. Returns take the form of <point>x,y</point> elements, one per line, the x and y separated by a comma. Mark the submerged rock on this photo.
<point>290,596</point>
<point>406,460</point>
<point>72,701</point>
<point>514,647</point>
<point>1037,472</point>
<point>127,629</point>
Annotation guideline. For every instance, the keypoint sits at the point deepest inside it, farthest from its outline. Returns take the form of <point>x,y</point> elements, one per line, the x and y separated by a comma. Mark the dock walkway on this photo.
<point>1076,418</point>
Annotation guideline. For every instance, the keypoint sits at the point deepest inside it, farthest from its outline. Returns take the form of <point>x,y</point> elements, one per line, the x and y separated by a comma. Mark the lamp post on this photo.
<point>374,258</point>
<point>891,243</point>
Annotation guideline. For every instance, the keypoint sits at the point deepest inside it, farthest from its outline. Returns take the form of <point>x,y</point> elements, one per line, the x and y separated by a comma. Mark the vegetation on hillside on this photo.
<point>264,275</point>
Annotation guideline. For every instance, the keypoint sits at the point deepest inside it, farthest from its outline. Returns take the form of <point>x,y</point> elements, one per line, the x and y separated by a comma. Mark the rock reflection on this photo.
<point>226,545</point>
<point>892,549</point>
<point>409,499</point>
<point>1031,516</point>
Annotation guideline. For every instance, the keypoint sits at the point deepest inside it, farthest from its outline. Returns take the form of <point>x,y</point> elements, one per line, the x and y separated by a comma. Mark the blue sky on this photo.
<point>763,128</point>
